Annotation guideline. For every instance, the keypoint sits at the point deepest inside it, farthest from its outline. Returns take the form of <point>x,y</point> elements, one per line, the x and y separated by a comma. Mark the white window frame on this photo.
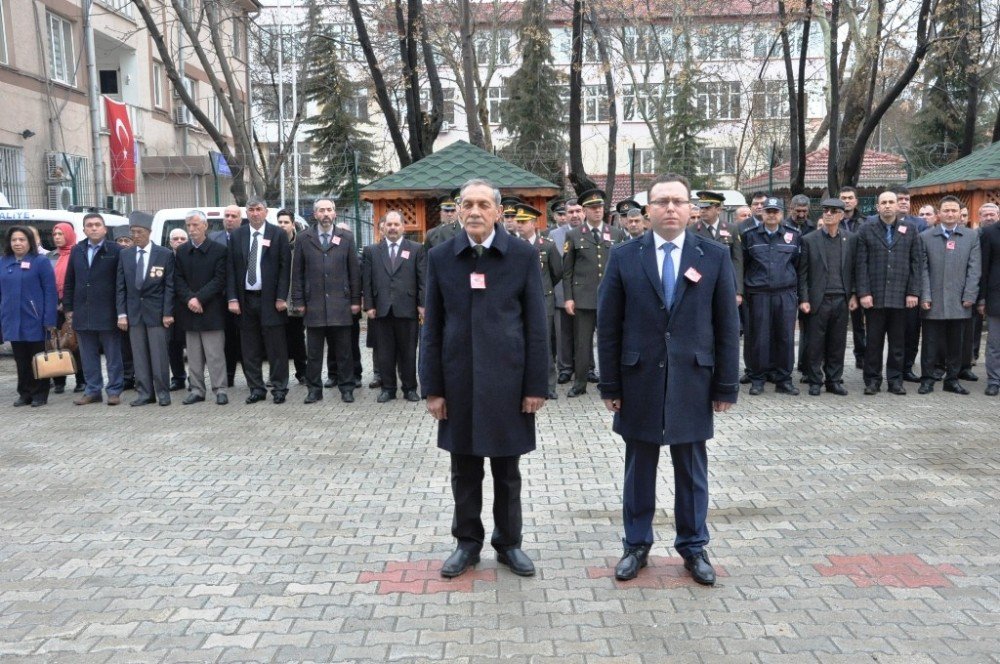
<point>770,100</point>
<point>719,100</point>
<point>3,34</point>
<point>356,105</point>
<point>157,74</point>
<point>645,161</point>
<point>62,65</point>
<point>495,96</point>
<point>639,104</point>
<point>346,45</point>
<point>710,156</point>
<point>595,105</point>
<point>13,177</point>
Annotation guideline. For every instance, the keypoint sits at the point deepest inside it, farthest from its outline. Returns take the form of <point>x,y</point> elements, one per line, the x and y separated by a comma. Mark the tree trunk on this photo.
<point>795,175</point>
<point>468,80</point>
<point>609,85</point>
<point>577,173</point>
<point>833,117</point>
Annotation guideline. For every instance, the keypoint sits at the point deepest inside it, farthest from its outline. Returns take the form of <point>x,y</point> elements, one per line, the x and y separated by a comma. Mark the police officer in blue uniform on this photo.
<point>770,263</point>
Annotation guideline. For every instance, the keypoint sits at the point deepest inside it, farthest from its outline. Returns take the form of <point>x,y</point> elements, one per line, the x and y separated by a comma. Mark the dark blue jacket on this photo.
<point>28,298</point>
<point>770,262</point>
<point>484,350</point>
<point>667,367</point>
<point>89,291</point>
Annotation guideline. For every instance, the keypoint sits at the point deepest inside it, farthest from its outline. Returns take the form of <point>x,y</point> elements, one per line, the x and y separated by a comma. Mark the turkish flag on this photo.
<point>122,147</point>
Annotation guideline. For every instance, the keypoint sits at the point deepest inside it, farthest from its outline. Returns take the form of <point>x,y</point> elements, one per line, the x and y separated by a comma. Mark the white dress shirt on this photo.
<point>260,250</point>
<point>675,255</point>
<point>487,243</point>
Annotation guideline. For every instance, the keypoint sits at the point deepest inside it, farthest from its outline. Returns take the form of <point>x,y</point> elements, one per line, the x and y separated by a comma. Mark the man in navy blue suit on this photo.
<point>668,343</point>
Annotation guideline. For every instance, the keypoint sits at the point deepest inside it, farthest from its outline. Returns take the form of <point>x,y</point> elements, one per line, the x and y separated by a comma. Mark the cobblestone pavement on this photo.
<point>854,529</point>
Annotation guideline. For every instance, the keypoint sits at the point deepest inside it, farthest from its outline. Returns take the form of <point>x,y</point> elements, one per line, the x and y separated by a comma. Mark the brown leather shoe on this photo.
<point>85,399</point>
<point>114,399</point>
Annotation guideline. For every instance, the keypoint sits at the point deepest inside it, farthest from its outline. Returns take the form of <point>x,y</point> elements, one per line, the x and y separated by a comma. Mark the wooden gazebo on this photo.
<point>415,190</point>
<point>974,180</point>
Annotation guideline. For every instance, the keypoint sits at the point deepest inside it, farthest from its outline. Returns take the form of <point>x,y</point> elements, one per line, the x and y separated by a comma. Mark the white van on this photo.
<point>168,219</point>
<point>45,220</point>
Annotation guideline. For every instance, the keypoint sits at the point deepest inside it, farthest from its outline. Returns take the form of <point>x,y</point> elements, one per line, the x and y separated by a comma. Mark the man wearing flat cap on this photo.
<point>713,228</point>
<point>449,226</point>
<point>826,298</point>
<point>145,304</point>
<point>585,254</point>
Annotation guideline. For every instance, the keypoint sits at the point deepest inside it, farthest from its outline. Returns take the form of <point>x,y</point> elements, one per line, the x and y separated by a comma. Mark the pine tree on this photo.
<point>679,146</point>
<point>532,115</point>
<point>335,135</point>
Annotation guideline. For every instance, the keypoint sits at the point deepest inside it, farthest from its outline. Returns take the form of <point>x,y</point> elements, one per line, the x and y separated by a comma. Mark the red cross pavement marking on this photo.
<point>661,573</point>
<point>902,571</point>
<point>423,577</point>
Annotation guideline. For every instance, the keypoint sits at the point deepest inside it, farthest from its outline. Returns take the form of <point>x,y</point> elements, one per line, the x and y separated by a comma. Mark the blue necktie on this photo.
<point>668,277</point>
<point>888,234</point>
<point>947,233</point>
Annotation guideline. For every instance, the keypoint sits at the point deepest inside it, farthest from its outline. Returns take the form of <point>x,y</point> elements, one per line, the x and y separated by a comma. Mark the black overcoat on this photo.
<point>275,262</point>
<point>201,272</point>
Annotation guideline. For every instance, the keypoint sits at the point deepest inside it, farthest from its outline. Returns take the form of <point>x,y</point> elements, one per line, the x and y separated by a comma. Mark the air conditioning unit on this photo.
<point>60,197</point>
<point>445,126</point>
<point>55,167</point>
<point>118,204</point>
<point>182,116</point>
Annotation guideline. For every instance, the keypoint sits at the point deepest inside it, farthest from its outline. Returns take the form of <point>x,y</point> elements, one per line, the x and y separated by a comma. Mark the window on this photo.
<point>496,47</point>
<point>719,100</point>
<point>3,35</point>
<point>447,109</point>
<point>62,67</point>
<point>157,85</point>
<point>770,99</point>
<point>639,44</point>
<point>564,100</point>
<point>495,96</point>
<point>717,161</point>
<point>595,104</point>
<point>12,175</point>
<point>269,102</point>
<point>765,44</point>
<point>357,105</point>
<point>562,44</point>
<point>647,101</point>
<point>720,42</point>
<point>237,38</point>
<point>644,161</point>
<point>346,42</point>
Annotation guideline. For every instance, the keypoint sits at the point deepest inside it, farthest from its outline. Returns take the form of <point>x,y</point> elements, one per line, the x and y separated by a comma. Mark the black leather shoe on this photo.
<point>313,396</point>
<point>21,401</point>
<point>386,395</point>
<point>411,395</point>
<point>926,387</point>
<point>631,562</point>
<point>837,388</point>
<point>897,388</point>
<point>992,390</point>
<point>873,388</point>
<point>141,402</point>
<point>38,403</point>
<point>375,384</point>
<point>911,377</point>
<point>756,388</point>
<point>59,389</point>
<point>553,395</point>
<point>786,388</point>
<point>192,398</point>
<point>966,374</point>
<point>814,390</point>
<point>329,383</point>
<point>518,562</point>
<point>745,379</point>
<point>80,387</point>
<point>955,388</point>
<point>458,562</point>
<point>576,391</point>
<point>278,397</point>
<point>564,378</point>
<point>347,396</point>
<point>592,377</point>
<point>221,399</point>
<point>164,401</point>
<point>701,570</point>
<point>256,396</point>
<point>177,384</point>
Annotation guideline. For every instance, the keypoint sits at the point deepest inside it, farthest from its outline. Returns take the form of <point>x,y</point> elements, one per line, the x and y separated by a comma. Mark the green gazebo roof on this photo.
<point>983,164</point>
<point>455,164</point>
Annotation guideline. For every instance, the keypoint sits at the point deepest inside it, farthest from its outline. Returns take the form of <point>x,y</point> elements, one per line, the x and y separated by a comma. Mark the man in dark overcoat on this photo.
<point>483,370</point>
<point>258,276</point>
<point>326,288</point>
<point>668,346</point>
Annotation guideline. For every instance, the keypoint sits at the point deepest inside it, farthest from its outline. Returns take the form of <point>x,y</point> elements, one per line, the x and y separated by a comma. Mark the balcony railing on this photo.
<point>123,7</point>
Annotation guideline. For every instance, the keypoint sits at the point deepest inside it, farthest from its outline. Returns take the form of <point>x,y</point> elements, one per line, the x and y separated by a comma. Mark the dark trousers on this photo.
<point>175,350</point>
<point>565,348</point>
<point>396,350</point>
<point>467,489</point>
<point>128,365</point>
<point>882,324</point>
<point>771,335</point>
<point>827,341</point>
<point>911,339</point>
<point>801,363</point>
<point>356,369</point>
<point>258,340</point>
<point>338,342</point>
<point>28,388</point>
<point>969,342</point>
<point>690,463</point>
<point>859,334</point>
<point>942,337</point>
<point>584,322</point>
<point>234,347</point>
<point>295,340</point>
<point>977,334</point>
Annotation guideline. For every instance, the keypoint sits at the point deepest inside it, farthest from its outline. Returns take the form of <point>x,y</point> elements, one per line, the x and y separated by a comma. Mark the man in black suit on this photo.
<point>200,282</point>
<point>326,288</point>
<point>257,287</point>
<point>232,219</point>
<point>853,220</point>
<point>887,281</point>
<point>989,297</point>
<point>483,370</point>
<point>145,303</point>
<point>392,278</point>
<point>826,296</point>
<point>89,303</point>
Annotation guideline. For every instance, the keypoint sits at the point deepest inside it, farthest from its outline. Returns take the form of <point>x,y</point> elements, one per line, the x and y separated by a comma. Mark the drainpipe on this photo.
<point>93,94</point>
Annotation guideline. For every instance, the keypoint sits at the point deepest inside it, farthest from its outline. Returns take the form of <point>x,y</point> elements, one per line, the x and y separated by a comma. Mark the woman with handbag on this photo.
<point>64,237</point>
<point>27,309</point>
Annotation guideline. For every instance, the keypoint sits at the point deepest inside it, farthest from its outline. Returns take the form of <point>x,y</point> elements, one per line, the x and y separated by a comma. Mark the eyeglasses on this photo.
<point>666,202</point>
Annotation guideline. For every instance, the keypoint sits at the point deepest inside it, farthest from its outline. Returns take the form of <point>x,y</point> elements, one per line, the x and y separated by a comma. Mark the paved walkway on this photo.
<point>856,529</point>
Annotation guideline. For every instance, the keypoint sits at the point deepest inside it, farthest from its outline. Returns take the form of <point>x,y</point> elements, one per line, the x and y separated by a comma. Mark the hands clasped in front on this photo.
<point>438,407</point>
